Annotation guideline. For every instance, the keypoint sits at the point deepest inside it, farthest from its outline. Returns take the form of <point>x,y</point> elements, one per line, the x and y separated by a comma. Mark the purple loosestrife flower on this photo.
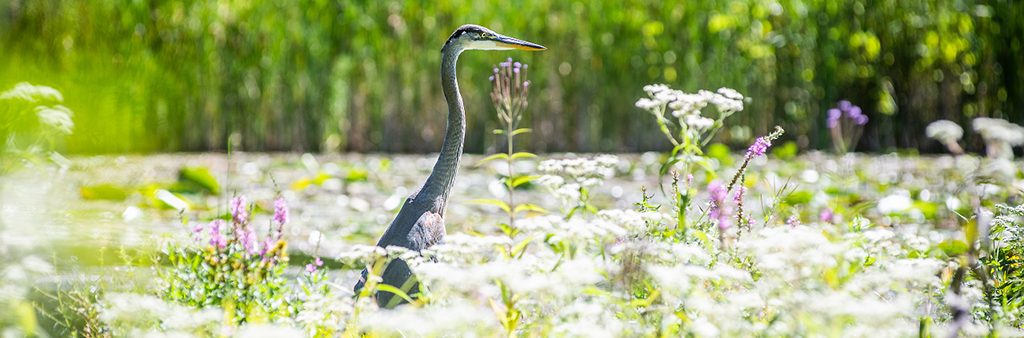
<point>249,240</point>
<point>238,209</point>
<point>311,268</point>
<point>197,231</point>
<point>759,147</point>
<point>217,239</point>
<point>845,123</point>
<point>267,244</point>
<point>793,220</point>
<point>719,211</point>
<point>833,118</point>
<point>281,210</point>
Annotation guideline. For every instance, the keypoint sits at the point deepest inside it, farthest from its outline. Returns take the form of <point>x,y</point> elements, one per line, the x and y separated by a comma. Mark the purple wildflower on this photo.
<point>825,215</point>
<point>793,220</point>
<point>861,120</point>
<point>238,209</point>
<point>719,211</point>
<point>759,147</point>
<point>854,112</point>
<point>197,230</point>
<point>739,193</point>
<point>249,240</point>
<point>267,244</point>
<point>844,105</point>
<point>833,118</point>
<point>216,238</point>
<point>311,268</point>
<point>281,210</point>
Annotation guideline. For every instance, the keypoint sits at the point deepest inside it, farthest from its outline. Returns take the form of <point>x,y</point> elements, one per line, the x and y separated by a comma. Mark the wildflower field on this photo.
<point>699,168</point>
<point>699,241</point>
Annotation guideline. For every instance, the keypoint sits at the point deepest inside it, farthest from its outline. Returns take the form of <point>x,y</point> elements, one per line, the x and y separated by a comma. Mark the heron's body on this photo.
<point>420,222</point>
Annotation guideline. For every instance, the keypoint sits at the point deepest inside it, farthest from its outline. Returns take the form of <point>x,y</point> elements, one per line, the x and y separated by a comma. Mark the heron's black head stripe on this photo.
<point>467,29</point>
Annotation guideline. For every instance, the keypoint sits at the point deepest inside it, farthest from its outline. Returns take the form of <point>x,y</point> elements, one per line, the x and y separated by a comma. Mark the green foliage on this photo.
<point>31,123</point>
<point>324,75</point>
<point>198,177</point>
<point>231,267</point>
<point>785,151</point>
<point>1006,263</point>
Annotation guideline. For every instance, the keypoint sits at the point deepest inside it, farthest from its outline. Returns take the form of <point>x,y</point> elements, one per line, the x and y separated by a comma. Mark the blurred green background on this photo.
<point>345,75</point>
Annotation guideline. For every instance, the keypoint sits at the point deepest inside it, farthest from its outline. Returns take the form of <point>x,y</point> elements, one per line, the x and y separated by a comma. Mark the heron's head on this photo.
<point>480,37</point>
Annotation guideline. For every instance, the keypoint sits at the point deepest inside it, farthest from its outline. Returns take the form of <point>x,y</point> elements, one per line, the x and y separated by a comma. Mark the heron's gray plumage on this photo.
<point>420,222</point>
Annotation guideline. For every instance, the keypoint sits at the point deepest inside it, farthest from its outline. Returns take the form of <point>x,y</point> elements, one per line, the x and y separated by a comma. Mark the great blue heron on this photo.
<point>420,223</point>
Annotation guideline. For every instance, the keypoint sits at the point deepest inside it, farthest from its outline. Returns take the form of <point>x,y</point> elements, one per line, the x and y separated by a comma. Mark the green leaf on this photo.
<point>103,192</point>
<point>520,247</point>
<point>394,290</point>
<point>531,207</point>
<point>490,201</point>
<point>522,155</point>
<point>721,153</point>
<point>200,177</point>
<point>523,179</point>
<point>521,130</point>
<point>492,158</point>
<point>499,131</point>
<point>953,247</point>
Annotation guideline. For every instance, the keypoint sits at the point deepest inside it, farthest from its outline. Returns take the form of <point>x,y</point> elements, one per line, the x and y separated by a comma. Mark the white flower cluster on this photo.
<point>461,247</point>
<point>635,222</point>
<point>325,312</point>
<point>944,131</point>
<point>558,229</point>
<point>361,255</point>
<point>581,169</point>
<point>459,318</point>
<point>684,104</point>
<point>1000,136</point>
<point>138,315</point>
<point>999,130</point>
<point>29,93</point>
<point>582,173</point>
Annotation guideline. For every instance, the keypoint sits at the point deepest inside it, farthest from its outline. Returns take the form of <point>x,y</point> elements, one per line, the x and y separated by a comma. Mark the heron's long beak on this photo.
<point>513,43</point>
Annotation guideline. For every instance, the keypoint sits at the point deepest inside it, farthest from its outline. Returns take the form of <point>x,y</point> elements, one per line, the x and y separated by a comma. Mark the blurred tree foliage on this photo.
<point>326,75</point>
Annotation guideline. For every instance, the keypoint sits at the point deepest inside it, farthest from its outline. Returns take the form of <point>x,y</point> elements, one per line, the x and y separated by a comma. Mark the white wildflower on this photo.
<point>27,92</point>
<point>944,131</point>
<point>268,331</point>
<point>1000,136</point>
<point>656,88</point>
<point>648,104</point>
<point>698,122</point>
<point>726,104</point>
<point>57,118</point>
<point>895,203</point>
<point>459,318</point>
<point>999,129</point>
<point>362,255</point>
<point>730,93</point>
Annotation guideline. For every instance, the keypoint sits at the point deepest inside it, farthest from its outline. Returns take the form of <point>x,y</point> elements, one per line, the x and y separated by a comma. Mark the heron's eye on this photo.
<point>485,35</point>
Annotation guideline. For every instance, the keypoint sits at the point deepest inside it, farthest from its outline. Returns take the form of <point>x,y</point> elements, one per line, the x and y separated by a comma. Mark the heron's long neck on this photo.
<point>440,182</point>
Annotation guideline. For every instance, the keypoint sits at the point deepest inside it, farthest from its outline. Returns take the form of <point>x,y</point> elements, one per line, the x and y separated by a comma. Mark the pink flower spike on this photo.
<point>719,210</point>
<point>759,147</point>
<point>310,268</point>
<point>281,210</point>
<point>238,209</point>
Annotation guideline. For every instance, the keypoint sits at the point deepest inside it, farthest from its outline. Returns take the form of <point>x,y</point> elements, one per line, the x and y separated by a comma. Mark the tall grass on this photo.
<point>350,75</point>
